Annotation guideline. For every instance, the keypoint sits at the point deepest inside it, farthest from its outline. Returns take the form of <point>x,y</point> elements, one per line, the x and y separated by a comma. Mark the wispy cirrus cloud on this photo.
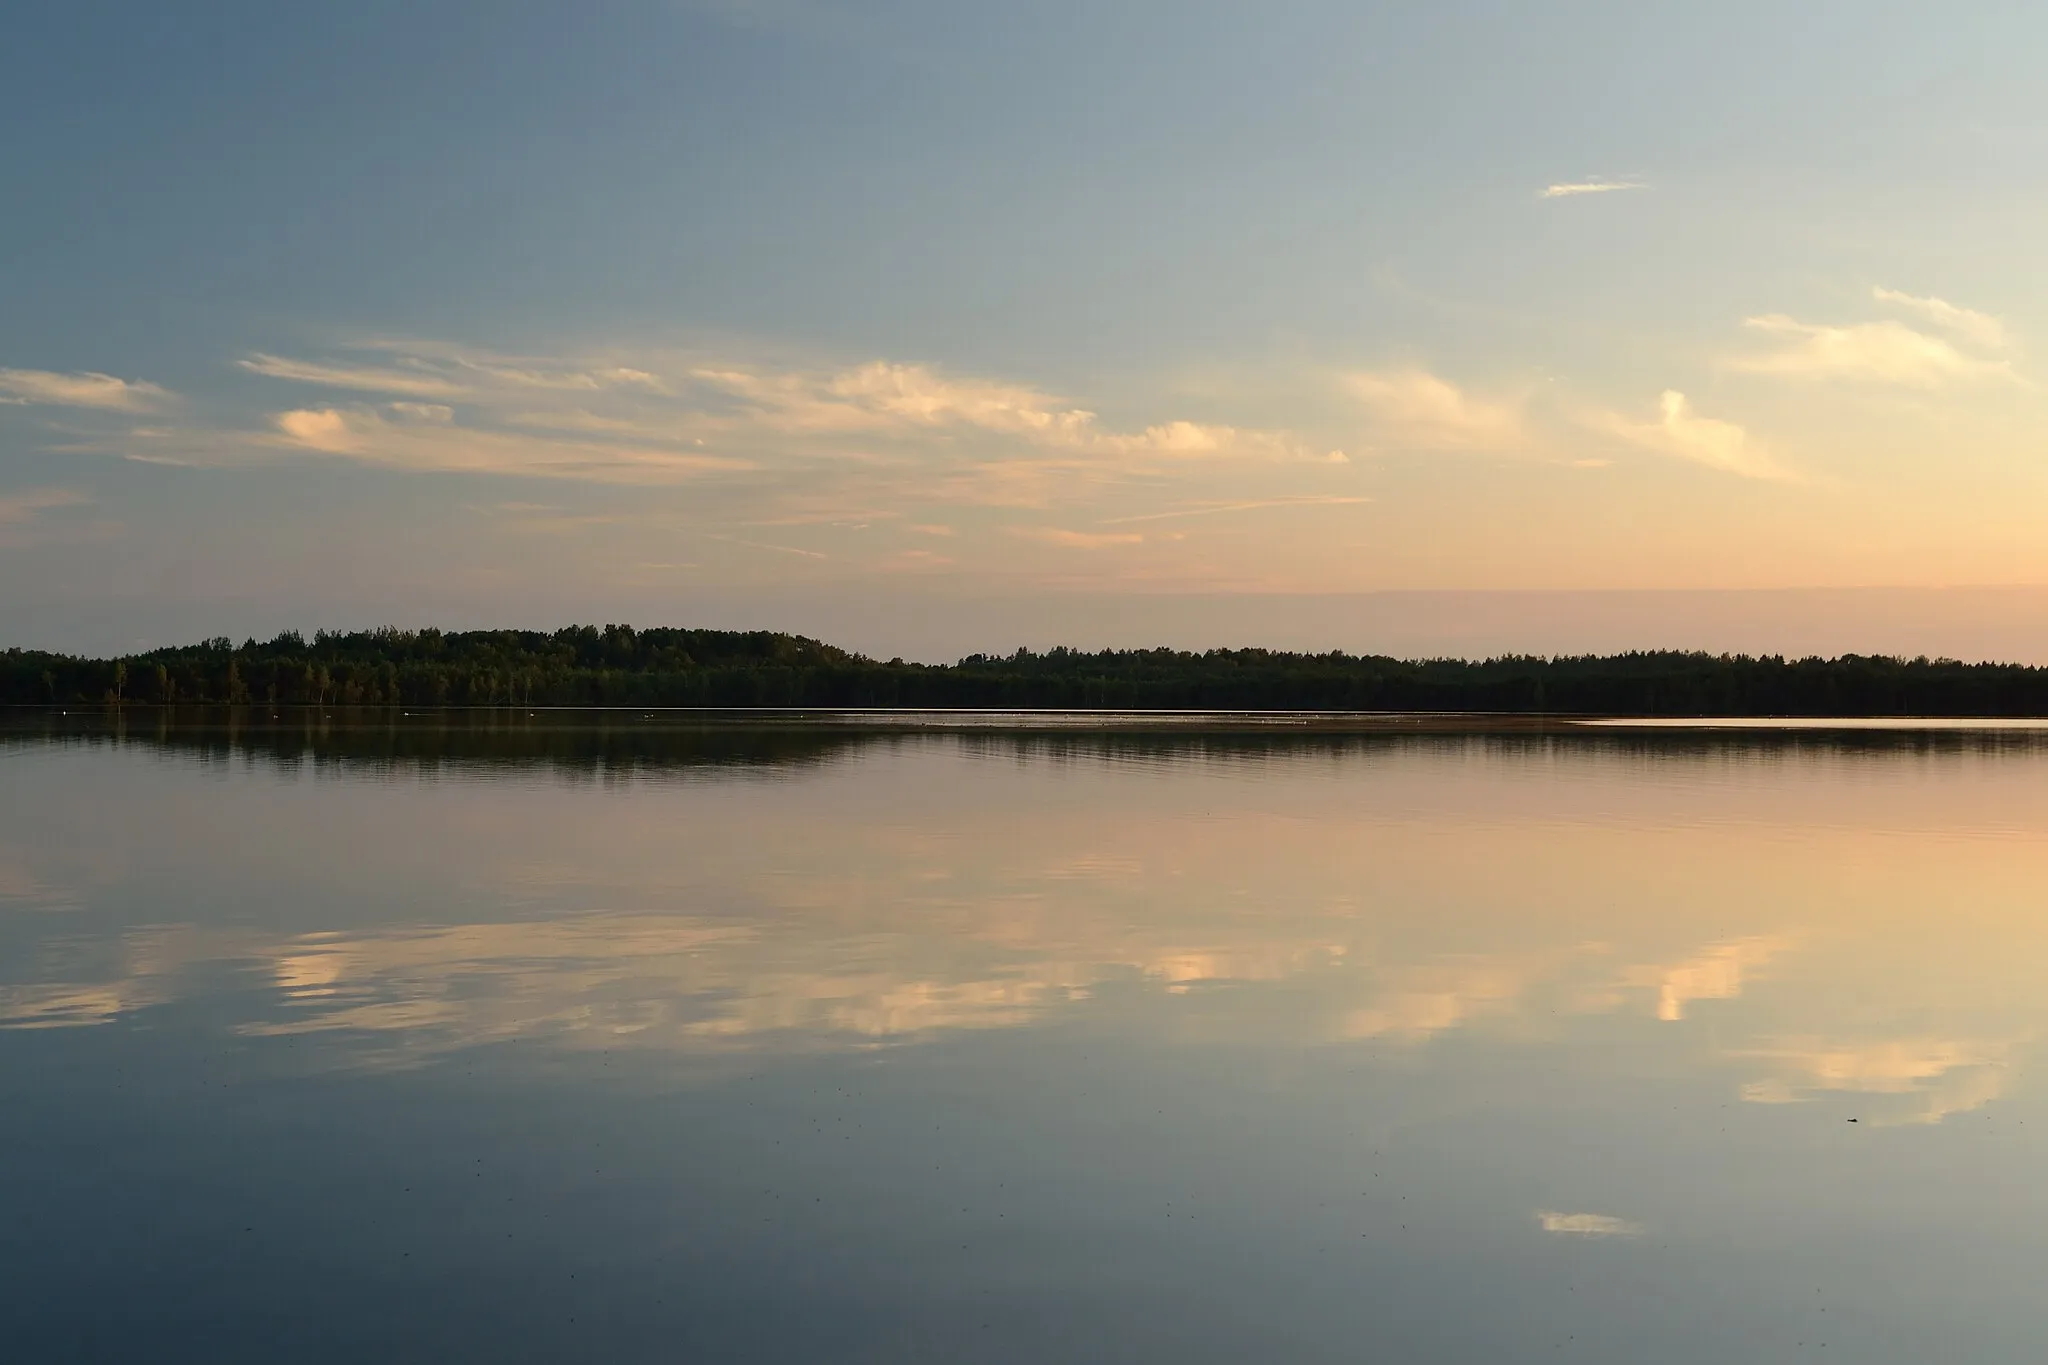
<point>546,518</point>
<point>423,438</point>
<point>1981,329</point>
<point>1974,347</point>
<point>1414,408</point>
<point>1076,540</point>
<point>916,561</point>
<point>796,550</point>
<point>1586,1224</point>
<point>24,520</point>
<point>416,382</point>
<point>881,397</point>
<point>81,389</point>
<point>865,463</point>
<point>1210,509</point>
<point>16,508</point>
<point>1572,188</point>
<point>880,412</point>
<point>1885,352</point>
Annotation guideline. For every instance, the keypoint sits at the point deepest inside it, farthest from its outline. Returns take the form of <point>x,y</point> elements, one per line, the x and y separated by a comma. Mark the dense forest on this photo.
<point>621,666</point>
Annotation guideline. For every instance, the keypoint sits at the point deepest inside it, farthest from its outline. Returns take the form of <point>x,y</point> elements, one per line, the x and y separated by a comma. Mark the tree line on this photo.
<point>617,665</point>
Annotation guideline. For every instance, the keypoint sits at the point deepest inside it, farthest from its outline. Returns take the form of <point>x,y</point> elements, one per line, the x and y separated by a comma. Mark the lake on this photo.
<point>638,1039</point>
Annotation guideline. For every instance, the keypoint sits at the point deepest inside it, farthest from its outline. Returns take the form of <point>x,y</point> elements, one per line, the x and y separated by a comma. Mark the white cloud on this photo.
<point>441,446</point>
<point>81,389</point>
<point>767,442</point>
<point>882,398</point>
<point>1880,352</point>
<point>1586,1224</point>
<point>1572,188</point>
<point>842,412</point>
<point>1198,440</point>
<point>326,429</point>
<point>1979,329</point>
<point>1417,409</point>
<point>915,393</point>
<point>1682,433</point>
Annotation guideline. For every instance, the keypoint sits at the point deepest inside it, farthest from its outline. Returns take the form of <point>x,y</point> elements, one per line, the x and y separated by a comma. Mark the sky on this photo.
<point>937,327</point>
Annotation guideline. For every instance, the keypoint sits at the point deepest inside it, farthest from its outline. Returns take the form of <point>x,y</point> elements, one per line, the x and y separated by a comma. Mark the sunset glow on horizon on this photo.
<point>836,317</point>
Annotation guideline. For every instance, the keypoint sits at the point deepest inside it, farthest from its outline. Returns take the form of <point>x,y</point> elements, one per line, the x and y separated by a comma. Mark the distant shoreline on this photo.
<point>1010,720</point>
<point>707,672</point>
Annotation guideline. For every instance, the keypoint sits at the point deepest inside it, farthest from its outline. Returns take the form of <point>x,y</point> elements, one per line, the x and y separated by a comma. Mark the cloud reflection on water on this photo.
<point>1529,898</point>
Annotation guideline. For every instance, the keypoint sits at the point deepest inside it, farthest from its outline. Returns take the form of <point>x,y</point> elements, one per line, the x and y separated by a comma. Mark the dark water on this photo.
<point>661,1043</point>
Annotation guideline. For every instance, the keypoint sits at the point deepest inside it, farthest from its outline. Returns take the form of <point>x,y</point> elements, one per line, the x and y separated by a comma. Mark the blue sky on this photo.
<point>929,326</point>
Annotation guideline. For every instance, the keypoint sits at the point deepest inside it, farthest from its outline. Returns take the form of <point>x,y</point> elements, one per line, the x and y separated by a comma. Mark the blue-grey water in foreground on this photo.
<point>596,1043</point>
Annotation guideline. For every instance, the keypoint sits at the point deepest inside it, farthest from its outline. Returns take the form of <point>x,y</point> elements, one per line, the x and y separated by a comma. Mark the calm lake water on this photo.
<point>554,1042</point>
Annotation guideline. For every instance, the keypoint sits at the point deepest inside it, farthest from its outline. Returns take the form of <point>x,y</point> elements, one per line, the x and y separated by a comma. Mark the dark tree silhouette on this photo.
<point>621,666</point>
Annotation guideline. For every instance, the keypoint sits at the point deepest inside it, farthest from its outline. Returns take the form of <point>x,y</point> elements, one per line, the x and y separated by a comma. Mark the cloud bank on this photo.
<point>669,417</point>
